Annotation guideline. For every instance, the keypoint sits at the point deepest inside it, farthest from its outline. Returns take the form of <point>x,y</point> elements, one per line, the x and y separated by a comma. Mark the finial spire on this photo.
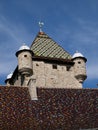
<point>40,25</point>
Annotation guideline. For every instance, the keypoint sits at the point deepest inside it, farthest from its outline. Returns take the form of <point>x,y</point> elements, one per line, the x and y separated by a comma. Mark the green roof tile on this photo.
<point>44,46</point>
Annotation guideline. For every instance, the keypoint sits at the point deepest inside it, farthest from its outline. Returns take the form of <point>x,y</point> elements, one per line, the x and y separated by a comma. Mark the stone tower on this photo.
<point>79,67</point>
<point>24,55</point>
<point>9,76</point>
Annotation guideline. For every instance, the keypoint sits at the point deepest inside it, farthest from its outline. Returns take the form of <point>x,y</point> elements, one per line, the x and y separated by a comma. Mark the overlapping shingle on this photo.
<point>55,109</point>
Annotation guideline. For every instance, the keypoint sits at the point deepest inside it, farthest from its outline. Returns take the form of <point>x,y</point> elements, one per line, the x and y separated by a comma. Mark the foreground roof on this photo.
<point>55,109</point>
<point>44,46</point>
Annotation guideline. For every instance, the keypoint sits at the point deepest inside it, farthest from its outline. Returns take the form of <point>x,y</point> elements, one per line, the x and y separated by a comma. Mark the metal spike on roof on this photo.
<point>41,25</point>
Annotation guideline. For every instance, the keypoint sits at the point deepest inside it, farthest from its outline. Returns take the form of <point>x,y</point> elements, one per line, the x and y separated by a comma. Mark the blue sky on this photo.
<point>71,23</point>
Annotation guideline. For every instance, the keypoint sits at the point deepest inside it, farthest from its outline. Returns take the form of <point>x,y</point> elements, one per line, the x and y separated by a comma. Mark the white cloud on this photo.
<point>7,67</point>
<point>83,37</point>
<point>12,36</point>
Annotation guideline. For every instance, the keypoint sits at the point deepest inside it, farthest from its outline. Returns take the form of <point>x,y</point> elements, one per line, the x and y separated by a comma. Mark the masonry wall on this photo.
<point>50,75</point>
<point>53,75</point>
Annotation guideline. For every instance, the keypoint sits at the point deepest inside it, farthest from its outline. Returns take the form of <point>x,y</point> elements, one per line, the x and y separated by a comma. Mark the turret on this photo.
<point>9,76</point>
<point>24,55</point>
<point>79,67</point>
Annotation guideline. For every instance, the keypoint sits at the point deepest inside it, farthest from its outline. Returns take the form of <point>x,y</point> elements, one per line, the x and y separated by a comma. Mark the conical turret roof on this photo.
<point>77,54</point>
<point>24,47</point>
<point>44,46</point>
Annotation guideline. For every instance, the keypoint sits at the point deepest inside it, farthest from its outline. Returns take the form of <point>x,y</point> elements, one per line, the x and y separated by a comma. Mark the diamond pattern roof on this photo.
<point>44,46</point>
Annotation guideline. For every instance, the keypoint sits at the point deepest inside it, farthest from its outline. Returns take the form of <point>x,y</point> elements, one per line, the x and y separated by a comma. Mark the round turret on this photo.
<point>79,66</point>
<point>9,76</point>
<point>24,55</point>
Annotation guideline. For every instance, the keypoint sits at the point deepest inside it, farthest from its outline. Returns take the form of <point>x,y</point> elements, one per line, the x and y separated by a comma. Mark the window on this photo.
<point>25,55</point>
<point>54,66</point>
<point>37,64</point>
<point>67,68</point>
<point>79,62</point>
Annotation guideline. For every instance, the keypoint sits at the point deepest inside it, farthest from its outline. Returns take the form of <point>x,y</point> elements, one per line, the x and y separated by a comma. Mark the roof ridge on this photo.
<point>67,88</point>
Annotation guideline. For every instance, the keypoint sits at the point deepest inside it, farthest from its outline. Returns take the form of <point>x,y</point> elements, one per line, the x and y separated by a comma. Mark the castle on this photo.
<point>47,64</point>
<point>45,90</point>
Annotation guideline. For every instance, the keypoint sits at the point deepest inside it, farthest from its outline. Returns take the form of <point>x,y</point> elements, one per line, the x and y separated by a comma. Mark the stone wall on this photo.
<point>53,75</point>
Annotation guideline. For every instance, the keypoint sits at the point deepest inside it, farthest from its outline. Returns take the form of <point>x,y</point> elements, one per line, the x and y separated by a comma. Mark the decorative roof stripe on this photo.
<point>46,49</point>
<point>49,50</point>
<point>44,46</point>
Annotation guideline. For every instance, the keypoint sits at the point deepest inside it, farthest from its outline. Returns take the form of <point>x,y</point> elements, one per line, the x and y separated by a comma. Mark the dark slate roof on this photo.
<point>55,109</point>
<point>44,46</point>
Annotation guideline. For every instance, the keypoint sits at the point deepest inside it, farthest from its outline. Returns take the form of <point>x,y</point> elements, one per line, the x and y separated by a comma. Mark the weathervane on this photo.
<point>40,25</point>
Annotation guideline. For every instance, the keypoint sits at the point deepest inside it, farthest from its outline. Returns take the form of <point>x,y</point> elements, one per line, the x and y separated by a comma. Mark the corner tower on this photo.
<point>24,55</point>
<point>9,76</point>
<point>79,67</point>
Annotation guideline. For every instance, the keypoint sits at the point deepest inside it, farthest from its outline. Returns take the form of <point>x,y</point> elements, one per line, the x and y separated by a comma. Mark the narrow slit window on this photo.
<point>68,68</point>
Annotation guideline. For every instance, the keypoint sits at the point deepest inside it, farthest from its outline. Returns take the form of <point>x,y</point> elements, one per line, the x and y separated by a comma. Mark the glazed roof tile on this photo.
<point>45,46</point>
<point>55,109</point>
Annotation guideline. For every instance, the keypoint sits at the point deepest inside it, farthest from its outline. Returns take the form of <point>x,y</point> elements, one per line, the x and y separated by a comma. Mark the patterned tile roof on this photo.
<point>55,109</point>
<point>44,46</point>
